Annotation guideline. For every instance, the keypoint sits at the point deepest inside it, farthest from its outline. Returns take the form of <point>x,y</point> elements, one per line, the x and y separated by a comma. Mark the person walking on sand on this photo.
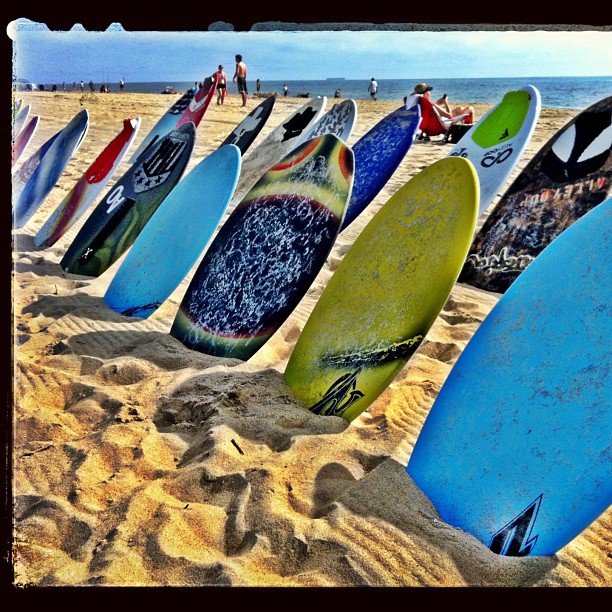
<point>240,78</point>
<point>221,85</point>
<point>373,88</point>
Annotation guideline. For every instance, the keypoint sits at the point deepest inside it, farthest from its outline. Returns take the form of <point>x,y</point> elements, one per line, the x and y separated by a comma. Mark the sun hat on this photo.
<point>421,88</point>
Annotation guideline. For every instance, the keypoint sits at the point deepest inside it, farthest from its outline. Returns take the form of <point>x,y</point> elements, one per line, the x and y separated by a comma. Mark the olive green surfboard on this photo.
<point>386,293</point>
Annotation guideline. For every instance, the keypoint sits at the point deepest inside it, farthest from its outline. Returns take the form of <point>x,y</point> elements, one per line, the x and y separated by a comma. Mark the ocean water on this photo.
<point>556,92</point>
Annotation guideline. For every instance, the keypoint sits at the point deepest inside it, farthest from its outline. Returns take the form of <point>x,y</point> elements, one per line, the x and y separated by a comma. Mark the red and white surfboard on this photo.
<point>88,187</point>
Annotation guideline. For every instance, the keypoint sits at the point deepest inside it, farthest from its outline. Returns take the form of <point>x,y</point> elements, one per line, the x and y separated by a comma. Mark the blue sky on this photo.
<point>48,56</point>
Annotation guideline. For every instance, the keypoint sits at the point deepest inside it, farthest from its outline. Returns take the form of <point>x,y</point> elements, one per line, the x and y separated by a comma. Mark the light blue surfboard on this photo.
<point>378,153</point>
<point>516,449</point>
<point>179,230</point>
<point>38,175</point>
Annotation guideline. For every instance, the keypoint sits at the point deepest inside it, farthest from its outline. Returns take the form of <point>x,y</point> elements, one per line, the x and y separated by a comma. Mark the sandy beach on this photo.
<point>139,462</point>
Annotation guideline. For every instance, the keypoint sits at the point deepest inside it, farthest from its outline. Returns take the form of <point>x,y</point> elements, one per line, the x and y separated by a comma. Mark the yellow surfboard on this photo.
<point>386,293</point>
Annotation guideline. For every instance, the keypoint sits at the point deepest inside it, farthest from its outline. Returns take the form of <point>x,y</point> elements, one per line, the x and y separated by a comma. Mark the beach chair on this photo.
<point>432,124</point>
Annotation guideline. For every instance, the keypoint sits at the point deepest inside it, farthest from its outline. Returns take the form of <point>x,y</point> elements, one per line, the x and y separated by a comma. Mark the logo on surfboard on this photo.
<point>340,396</point>
<point>515,539</point>
<point>295,126</point>
<point>343,393</point>
<point>159,166</point>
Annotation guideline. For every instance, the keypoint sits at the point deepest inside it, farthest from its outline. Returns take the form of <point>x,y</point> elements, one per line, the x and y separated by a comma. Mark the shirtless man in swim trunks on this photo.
<point>240,79</point>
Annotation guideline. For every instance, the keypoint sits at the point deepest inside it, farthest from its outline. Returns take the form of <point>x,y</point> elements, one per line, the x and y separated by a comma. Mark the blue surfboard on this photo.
<point>516,448</point>
<point>37,177</point>
<point>166,124</point>
<point>174,238</point>
<point>378,153</point>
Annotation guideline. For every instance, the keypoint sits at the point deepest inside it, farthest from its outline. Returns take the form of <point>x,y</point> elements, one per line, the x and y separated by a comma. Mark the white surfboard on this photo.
<point>339,120</point>
<point>277,144</point>
<point>496,142</point>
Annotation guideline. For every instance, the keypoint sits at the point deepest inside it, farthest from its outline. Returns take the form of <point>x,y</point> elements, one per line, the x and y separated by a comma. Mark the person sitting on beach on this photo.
<point>465,113</point>
<point>437,118</point>
<point>337,93</point>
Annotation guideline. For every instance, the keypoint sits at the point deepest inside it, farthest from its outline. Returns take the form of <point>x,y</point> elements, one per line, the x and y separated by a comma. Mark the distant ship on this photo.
<point>336,79</point>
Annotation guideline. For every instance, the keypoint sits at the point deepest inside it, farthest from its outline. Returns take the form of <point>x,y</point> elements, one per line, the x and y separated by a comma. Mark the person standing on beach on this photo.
<point>121,84</point>
<point>240,78</point>
<point>285,90</point>
<point>373,88</point>
<point>258,85</point>
<point>221,85</point>
<point>82,85</point>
